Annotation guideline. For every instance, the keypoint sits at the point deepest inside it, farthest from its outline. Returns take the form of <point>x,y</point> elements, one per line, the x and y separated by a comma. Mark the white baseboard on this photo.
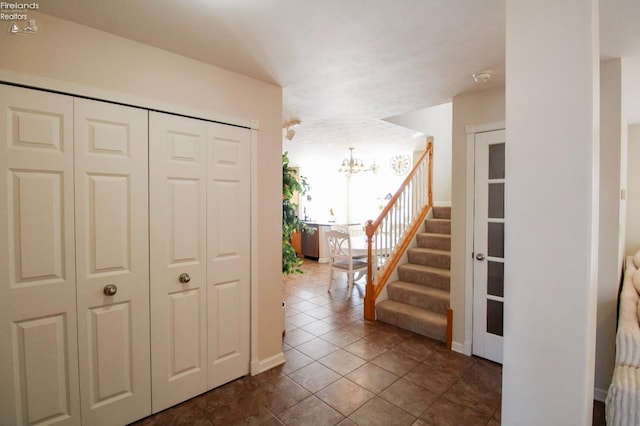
<point>462,348</point>
<point>260,366</point>
<point>600,394</point>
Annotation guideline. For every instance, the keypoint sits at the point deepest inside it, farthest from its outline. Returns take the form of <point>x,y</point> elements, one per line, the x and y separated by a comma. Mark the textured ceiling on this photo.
<point>344,65</point>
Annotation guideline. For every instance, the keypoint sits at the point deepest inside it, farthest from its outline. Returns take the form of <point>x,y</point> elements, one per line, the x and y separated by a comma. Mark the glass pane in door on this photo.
<point>496,201</point>
<point>494,317</point>
<point>495,278</point>
<point>496,161</point>
<point>495,239</point>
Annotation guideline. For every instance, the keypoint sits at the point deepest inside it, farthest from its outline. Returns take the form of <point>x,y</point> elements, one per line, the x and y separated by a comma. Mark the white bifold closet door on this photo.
<point>112,261</point>
<point>86,336</point>
<point>177,170</point>
<point>228,252</point>
<point>74,185</point>
<point>38,333</point>
<point>200,255</point>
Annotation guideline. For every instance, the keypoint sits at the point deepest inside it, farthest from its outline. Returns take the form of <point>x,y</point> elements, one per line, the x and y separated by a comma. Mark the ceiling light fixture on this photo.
<point>350,165</point>
<point>482,76</point>
<point>289,126</point>
<point>290,134</point>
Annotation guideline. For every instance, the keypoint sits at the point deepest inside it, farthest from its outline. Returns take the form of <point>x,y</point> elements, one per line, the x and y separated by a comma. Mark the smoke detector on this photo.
<point>482,76</point>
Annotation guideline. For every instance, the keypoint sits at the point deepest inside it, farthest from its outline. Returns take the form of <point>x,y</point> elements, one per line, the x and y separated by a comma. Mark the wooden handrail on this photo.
<point>375,283</point>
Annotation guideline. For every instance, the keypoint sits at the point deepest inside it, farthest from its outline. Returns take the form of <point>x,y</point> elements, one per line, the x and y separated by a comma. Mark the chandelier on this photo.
<point>352,165</point>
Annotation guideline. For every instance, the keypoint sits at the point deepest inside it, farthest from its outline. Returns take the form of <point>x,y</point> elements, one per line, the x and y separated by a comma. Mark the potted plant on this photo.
<point>291,223</point>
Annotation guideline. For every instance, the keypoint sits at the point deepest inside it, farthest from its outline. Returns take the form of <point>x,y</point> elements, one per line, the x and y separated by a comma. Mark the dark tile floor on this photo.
<point>343,370</point>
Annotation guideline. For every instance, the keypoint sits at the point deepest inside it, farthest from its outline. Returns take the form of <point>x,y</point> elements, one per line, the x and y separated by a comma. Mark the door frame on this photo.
<point>471,132</point>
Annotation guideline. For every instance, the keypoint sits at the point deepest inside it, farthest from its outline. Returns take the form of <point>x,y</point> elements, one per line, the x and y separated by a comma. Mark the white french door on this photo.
<point>178,166</point>
<point>112,261</point>
<point>488,244</point>
<point>38,333</point>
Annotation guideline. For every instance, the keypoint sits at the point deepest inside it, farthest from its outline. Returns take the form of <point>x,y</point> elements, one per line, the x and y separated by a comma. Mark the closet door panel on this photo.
<point>228,252</point>
<point>113,261</point>
<point>36,201</point>
<point>38,354</point>
<point>178,261</point>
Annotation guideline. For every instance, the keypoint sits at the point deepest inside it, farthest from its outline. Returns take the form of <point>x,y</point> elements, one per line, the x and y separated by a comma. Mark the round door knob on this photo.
<point>480,256</point>
<point>110,290</point>
<point>184,278</point>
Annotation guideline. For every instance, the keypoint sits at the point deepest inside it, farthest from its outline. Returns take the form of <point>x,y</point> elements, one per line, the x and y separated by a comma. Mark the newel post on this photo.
<point>430,178</point>
<point>369,297</point>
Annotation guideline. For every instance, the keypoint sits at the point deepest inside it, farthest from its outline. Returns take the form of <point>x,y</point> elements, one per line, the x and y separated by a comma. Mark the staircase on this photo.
<point>419,300</point>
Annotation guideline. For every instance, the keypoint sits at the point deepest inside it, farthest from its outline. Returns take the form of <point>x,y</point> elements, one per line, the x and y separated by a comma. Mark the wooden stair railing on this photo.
<point>390,234</point>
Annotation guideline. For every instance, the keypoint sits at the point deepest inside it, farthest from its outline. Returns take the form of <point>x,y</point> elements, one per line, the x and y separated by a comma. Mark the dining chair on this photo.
<point>341,259</point>
<point>355,232</point>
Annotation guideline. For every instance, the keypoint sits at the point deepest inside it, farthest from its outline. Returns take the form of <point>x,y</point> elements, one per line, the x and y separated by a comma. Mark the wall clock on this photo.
<point>400,164</point>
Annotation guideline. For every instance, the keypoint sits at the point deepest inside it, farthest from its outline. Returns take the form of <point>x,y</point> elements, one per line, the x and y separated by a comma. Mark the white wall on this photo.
<point>482,107</point>
<point>488,106</point>
<point>631,116</point>
<point>551,242</point>
<point>613,131</point>
<point>633,192</point>
<point>434,121</point>
<point>64,51</point>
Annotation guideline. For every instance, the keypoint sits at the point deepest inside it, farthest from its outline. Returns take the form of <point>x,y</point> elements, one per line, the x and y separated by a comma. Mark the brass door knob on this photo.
<point>110,290</point>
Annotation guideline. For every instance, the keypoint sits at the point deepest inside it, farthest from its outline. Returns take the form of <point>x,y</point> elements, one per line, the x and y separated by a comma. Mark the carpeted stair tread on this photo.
<point>442,212</point>
<point>429,257</point>
<point>431,250</point>
<point>425,275</point>
<point>413,319</point>
<point>429,298</point>
<point>434,241</point>
<point>422,268</point>
<point>438,226</point>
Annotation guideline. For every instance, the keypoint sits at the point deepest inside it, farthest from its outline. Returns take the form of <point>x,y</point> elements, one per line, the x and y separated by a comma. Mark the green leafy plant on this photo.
<point>291,223</point>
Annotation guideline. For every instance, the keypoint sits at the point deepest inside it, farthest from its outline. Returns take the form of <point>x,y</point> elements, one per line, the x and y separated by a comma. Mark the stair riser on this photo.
<point>432,304</point>
<point>434,242</point>
<point>425,278</point>
<point>437,260</point>
<point>425,328</point>
<point>442,212</point>
<point>438,227</point>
